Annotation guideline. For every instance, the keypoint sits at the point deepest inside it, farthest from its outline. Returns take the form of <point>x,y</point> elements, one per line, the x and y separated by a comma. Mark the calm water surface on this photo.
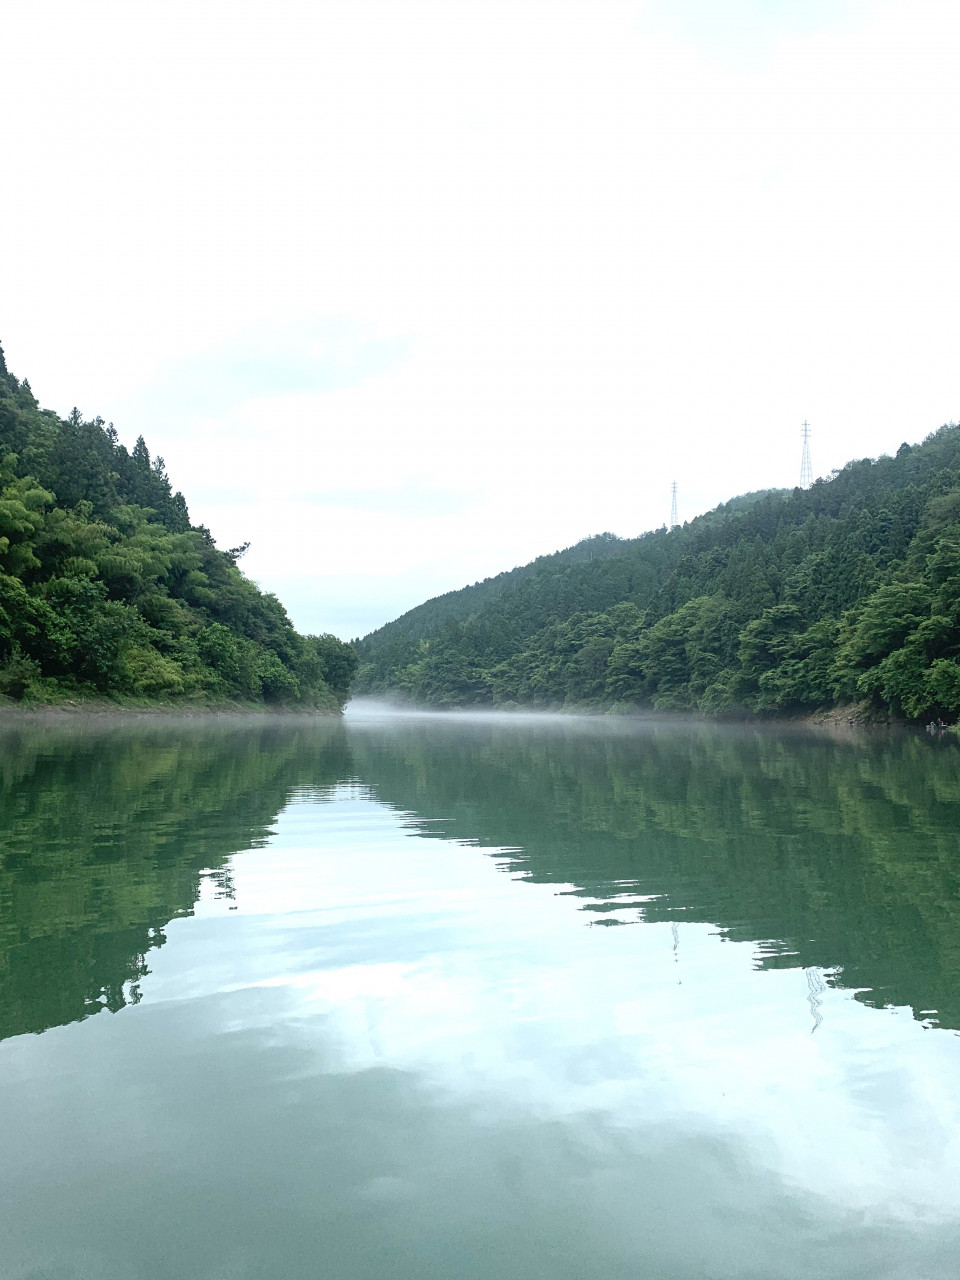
<point>510,999</point>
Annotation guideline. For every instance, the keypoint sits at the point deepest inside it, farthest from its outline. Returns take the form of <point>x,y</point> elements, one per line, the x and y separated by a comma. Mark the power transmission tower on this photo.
<point>806,466</point>
<point>673,506</point>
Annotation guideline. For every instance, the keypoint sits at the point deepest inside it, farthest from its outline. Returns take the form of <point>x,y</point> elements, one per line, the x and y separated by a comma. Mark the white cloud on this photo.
<point>607,252</point>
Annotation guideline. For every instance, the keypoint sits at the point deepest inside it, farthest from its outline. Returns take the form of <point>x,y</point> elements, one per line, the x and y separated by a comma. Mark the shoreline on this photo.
<point>107,710</point>
<point>104,711</point>
<point>847,713</point>
<point>848,716</point>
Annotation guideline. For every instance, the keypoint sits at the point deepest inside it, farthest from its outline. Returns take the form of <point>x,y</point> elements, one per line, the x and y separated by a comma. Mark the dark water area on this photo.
<point>426,995</point>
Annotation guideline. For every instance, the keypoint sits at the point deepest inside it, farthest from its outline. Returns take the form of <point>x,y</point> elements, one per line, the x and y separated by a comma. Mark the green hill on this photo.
<point>782,602</point>
<point>107,590</point>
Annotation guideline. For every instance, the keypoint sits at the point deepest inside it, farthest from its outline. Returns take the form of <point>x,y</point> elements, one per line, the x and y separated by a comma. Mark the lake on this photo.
<point>480,998</point>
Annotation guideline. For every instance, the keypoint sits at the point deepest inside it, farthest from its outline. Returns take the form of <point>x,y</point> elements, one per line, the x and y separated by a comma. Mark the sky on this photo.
<point>408,294</point>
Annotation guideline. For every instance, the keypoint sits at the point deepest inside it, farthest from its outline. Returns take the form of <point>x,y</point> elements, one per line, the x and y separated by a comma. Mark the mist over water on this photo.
<point>483,995</point>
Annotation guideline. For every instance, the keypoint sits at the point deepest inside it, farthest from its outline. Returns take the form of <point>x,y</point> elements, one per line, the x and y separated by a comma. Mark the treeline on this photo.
<point>426,619</point>
<point>108,590</point>
<point>848,592</point>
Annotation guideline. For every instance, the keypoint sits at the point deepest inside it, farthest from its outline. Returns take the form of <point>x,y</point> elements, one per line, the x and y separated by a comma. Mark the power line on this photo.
<point>673,506</point>
<point>806,466</point>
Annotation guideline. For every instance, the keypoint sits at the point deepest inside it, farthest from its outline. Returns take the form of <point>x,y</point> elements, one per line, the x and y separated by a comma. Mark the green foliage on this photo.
<point>19,675</point>
<point>784,601</point>
<point>337,662</point>
<point>107,589</point>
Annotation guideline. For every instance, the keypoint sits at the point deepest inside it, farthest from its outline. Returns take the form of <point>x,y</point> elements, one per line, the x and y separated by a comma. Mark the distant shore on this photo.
<point>72,709</point>
<point>849,715</point>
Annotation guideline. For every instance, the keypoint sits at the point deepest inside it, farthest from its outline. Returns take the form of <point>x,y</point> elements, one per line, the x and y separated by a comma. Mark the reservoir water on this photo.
<point>477,999</point>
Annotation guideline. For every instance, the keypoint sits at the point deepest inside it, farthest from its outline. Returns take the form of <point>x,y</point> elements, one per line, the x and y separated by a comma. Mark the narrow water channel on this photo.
<point>491,998</point>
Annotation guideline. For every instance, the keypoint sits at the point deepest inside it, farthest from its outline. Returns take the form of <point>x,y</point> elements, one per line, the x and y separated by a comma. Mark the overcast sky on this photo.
<point>408,293</point>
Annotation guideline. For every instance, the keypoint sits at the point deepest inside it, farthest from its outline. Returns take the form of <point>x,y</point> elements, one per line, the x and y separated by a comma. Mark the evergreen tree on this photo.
<point>783,601</point>
<point>106,588</point>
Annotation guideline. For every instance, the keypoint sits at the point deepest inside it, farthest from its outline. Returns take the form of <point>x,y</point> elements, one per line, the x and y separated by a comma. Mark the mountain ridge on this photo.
<point>785,602</point>
<point>108,591</point>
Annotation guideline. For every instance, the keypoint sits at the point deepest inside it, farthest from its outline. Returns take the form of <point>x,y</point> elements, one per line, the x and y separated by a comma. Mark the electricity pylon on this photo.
<point>673,506</point>
<point>806,466</point>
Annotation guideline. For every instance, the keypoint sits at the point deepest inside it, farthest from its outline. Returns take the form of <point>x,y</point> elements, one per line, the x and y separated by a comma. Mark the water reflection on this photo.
<point>837,853</point>
<point>106,832</point>
<point>365,1049</point>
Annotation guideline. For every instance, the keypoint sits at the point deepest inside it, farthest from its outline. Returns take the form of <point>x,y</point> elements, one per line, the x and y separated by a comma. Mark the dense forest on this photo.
<point>108,591</point>
<point>782,603</point>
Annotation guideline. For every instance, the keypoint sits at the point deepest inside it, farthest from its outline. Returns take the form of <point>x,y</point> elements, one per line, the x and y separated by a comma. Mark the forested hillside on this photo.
<point>108,590</point>
<point>427,618</point>
<point>783,603</point>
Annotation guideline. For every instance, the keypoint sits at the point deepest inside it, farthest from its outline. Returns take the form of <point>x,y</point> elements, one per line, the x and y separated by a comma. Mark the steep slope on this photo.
<point>456,606</point>
<point>108,590</point>
<point>849,590</point>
